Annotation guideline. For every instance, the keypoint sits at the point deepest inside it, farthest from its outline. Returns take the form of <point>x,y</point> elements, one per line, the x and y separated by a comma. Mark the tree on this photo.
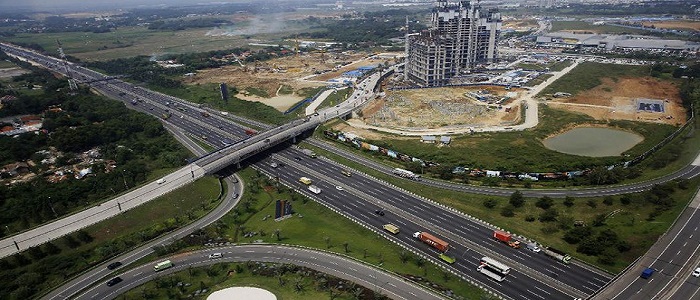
<point>490,203</point>
<point>544,202</point>
<point>403,256</point>
<point>569,201</point>
<point>577,234</point>
<point>549,215</point>
<point>51,248</point>
<point>608,256</point>
<point>516,199</point>
<point>277,234</point>
<point>599,220</point>
<point>84,236</point>
<point>608,200</point>
<point>508,211</point>
<point>592,203</point>
<point>346,247</point>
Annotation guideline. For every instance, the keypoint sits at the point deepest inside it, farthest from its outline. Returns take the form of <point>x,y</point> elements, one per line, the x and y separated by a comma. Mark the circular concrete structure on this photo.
<point>242,293</point>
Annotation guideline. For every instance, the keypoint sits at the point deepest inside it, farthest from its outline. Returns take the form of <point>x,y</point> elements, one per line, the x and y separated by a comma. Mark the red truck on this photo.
<point>506,238</point>
<point>432,240</point>
<point>250,132</point>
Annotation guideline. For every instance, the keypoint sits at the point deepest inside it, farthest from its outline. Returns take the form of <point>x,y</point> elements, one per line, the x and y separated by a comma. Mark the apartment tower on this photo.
<point>462,35</point>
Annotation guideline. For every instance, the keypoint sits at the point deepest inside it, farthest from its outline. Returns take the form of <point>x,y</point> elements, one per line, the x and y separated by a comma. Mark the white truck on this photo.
<point>405,174</point>
<point>308,153</point>
<point>556,254</point>
<point>314,189</point>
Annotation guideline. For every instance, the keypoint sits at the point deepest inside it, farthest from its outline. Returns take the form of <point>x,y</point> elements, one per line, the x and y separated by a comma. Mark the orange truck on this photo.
<point>506,238</point>
<point>432,241</point>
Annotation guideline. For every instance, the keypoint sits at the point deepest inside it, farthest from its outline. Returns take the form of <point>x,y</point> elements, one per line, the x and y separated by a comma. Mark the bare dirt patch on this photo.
<point>615,100</point>
<point>684,25</point>
<point>441,107</point>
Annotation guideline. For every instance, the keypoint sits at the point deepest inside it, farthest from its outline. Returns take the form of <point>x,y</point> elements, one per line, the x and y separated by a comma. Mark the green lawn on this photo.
<point>6,64</point>
<point>291,283</point>
<point>314,225</point>
<point>37,270</point>
<point>519,151</point>
<point>587,76</point>
<point>137,40</point>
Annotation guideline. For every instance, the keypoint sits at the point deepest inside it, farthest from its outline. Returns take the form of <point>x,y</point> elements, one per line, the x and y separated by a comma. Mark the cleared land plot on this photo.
<point>682,25</point>
<point>585,27</point>
<point>609,92</point>
<point>438,107</point>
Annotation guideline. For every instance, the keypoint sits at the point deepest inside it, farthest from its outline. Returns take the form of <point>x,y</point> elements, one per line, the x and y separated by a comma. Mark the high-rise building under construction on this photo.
<point>461,35</point>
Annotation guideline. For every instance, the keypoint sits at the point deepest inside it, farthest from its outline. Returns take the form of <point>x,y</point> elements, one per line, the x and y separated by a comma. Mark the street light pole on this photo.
<point>124,177</point>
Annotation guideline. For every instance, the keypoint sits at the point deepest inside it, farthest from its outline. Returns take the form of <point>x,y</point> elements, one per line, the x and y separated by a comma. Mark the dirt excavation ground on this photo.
<point>278,77</point>
<point>683,25</point>
<point>615,100</point>
<point>441,107</point>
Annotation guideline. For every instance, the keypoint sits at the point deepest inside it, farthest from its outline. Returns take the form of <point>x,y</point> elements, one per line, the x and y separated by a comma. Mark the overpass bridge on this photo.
<point>211,163</point>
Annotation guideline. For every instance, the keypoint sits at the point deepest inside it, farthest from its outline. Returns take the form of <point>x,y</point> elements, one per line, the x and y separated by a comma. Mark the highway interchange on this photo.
<point>536,276</point>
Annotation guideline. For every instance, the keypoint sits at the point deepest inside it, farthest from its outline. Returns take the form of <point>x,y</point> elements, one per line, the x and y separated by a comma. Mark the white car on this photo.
<point>696,273</point>
<point>215,255</point>
<point>160,181</point>
<point>337,187</point>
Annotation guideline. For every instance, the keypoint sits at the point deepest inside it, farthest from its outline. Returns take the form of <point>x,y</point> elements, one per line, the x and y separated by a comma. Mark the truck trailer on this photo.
<point>556,254</point>
<point>391,228</point>
<point>432,241</point>
<point>506,238</point>
<point>308,153</point>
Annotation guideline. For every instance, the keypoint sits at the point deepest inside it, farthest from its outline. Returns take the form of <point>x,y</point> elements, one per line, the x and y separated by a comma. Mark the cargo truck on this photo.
<point>556,254</point>
<point>308,153</point>
<point>391,228</point>
<point>506,238</point>
<point>432,241</point>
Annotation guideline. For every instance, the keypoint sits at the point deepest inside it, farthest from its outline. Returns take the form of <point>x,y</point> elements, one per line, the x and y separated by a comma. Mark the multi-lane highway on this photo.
<point>535,275</point>
<point>674,257</point>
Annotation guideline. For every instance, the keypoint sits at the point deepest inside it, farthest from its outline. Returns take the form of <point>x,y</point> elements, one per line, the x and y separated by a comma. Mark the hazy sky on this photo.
<point>78,5</point>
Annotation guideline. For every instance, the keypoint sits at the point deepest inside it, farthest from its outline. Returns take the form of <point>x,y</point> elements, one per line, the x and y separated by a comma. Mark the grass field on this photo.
<point>587,76</point>
<point>51,267</point>
<point>133,41</point>
<point>6,64</point>
<point>520,151</point>
<point>315,226</point>
<point>588,27</point>
<point>630,223</point>
<point>292,284</point>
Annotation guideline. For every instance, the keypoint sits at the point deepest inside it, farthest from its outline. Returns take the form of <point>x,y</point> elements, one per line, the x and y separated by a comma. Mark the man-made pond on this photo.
<point>593,141</point>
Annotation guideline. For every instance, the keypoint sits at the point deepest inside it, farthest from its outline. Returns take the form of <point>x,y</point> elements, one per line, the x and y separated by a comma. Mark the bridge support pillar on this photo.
<point>294,139</point>
<point>238,165</point>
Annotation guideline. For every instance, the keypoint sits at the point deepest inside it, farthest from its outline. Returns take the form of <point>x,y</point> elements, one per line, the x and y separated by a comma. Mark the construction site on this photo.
<point>281,82</point>
<point>444,107</point>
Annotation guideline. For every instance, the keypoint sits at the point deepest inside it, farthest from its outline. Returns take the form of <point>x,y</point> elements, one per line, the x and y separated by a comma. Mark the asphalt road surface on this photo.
<point>370,277</point>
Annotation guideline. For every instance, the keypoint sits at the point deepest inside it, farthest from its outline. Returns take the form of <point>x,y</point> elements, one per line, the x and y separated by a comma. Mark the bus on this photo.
<point>405,174</point>
<point>488,271</point>
<point>497,266</point>
<point>305,180</point>
<point>447,259</point>
<point>163,265</point>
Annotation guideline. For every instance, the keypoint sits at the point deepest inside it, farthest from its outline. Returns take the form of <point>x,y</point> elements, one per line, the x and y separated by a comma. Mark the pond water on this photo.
<point>593,141</point>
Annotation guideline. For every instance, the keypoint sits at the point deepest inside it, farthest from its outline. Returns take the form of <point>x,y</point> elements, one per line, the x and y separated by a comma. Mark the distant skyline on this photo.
<point>62,6</point>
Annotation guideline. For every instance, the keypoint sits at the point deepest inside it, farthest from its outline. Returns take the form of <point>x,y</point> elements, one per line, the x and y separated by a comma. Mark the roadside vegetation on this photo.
<point>285,281</point>
<point>315,226</point>
<point>127,148</point>
<point>34,272</point>
<point>617,229</point>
